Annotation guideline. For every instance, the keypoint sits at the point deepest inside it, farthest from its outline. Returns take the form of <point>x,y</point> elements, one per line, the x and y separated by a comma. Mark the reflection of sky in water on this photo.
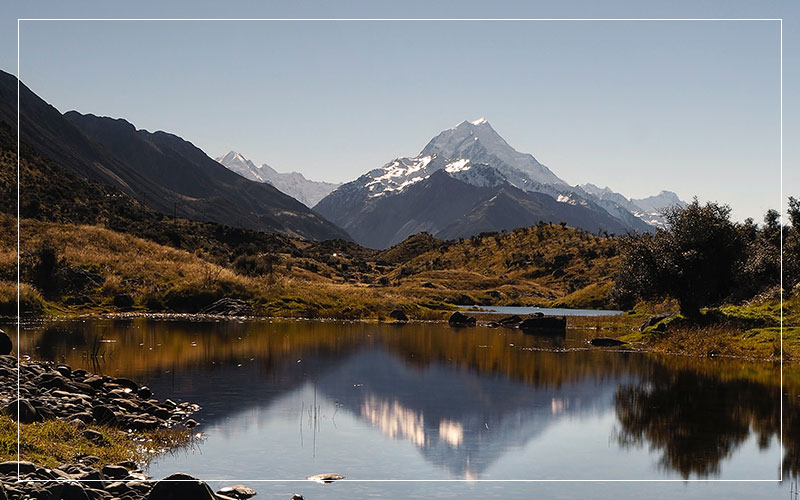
<point>373,416</point>
<point>425,402</point>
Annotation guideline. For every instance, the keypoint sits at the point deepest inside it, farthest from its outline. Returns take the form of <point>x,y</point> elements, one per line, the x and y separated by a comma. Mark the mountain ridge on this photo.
<point>295,184</point>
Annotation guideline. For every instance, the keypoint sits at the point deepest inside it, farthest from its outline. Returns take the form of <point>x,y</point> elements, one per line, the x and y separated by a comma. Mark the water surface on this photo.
<point>287,399</point>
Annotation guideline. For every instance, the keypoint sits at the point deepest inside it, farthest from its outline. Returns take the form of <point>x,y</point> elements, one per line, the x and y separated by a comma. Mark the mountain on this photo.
<point>648,209</point>
<point>466,180</point>
<point>659,202</point>
<point>161,170</point>
<point>294,184</point>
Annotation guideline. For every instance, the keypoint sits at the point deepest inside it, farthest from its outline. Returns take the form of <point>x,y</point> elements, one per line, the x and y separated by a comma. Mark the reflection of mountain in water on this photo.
<point>458,419</point>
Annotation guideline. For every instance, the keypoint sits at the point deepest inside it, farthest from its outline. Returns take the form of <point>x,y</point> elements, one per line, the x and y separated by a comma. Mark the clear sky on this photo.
<point>692,107</point>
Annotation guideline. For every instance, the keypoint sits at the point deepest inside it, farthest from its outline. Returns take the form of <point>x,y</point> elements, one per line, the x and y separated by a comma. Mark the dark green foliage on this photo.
<point>705,258</point>
<point>697,260</point>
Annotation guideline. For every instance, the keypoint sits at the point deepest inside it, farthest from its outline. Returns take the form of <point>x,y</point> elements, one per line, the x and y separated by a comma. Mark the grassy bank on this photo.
<point>750,331</point>
<point>71,269</point>
<point>54,442</point>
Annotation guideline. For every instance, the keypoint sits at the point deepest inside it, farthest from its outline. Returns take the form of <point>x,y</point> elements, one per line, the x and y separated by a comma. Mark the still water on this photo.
<point>282,400</point>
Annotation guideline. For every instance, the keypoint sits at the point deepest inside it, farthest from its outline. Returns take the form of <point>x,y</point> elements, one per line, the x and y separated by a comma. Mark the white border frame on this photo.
<point>781,204</point>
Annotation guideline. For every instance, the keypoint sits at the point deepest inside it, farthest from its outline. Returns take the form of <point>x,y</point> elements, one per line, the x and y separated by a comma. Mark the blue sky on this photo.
<point>639,106</point>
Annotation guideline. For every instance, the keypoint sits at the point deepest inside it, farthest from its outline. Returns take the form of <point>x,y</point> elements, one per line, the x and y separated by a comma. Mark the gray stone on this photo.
<point>459,319</point>
<point>22,411</point>
<point>238,491</point>
<point>11,466</point>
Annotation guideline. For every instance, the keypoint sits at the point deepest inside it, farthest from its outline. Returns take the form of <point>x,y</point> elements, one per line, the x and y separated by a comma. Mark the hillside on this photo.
<point>160,170</point>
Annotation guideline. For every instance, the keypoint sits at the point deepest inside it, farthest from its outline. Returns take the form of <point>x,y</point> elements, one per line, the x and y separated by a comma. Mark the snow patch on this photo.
<point>457,166</point>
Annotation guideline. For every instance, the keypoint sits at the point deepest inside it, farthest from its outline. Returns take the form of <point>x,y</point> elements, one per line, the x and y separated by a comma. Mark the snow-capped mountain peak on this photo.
<point>294,184</point>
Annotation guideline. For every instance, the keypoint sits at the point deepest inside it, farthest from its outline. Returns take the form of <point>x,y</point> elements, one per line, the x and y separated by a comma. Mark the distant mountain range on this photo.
<point>465,181</point>
<point>468,180</point>
<point>159,169</point>
<point>294,184</point>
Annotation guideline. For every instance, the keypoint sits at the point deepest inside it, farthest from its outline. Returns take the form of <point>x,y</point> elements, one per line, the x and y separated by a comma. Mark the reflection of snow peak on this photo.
<point>399,422</point>
<point>394,421</point>
<point>451,433</point>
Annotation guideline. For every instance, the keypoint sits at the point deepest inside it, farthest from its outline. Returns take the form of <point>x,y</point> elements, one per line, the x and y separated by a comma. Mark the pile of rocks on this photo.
<point>122,482</point>
<point>50,391</point>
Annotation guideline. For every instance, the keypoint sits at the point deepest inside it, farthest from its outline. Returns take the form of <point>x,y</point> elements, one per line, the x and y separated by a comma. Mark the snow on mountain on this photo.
<point>473,152</point>
<point>294,184</point>
<point>659,202</point>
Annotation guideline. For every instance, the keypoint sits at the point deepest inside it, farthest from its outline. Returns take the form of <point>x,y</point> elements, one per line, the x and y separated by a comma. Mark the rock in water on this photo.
<point>458,319</point>
<point>606,342</point>
<point>238,491</point>
<point>5,343</point>
<point>510,321</point>
<point>180,486</point>
<point>326,478</point>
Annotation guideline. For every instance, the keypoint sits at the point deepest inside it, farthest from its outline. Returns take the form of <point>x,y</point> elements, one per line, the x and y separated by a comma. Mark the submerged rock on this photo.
<point>606,342</point>
<point>458,319</point>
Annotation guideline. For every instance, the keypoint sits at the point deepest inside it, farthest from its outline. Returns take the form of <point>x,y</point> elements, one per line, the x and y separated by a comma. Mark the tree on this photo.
<point>695,260</point>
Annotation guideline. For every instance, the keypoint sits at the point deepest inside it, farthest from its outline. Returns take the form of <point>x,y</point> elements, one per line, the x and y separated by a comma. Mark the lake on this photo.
<point>282,400</point>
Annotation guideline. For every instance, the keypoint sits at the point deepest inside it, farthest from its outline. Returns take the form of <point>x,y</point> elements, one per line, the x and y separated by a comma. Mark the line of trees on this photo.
<point>703,258</point>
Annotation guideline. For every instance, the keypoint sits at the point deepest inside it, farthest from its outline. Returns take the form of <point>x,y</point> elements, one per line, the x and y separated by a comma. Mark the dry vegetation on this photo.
<point>542,265</point>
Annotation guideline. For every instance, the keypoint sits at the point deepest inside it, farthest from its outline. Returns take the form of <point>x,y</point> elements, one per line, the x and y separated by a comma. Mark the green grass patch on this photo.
<point>55,442</point>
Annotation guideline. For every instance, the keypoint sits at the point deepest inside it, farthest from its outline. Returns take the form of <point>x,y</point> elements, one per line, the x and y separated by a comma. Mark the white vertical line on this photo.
<point>19,316</point>
<point>783,454</point>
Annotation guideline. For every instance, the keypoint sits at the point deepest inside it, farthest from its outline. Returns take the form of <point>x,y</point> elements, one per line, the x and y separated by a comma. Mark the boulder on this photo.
<point>606,342</point>
<point>12,467</point>
<point>460,320</point>
<point>544,324</point>
<point>510,321</point>
<point>238,491</point>
<point>95,437</point>
<point>180,486</point>
<point>73,491</point>
<point>104,415</point>
<point>5,343</point>
<point>398,316</point>
<point>114,472</point>
<point>22,411</point>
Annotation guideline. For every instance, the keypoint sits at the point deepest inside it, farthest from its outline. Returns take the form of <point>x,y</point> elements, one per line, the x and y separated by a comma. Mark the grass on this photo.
<point>314,280</point>
<point>54,442</point>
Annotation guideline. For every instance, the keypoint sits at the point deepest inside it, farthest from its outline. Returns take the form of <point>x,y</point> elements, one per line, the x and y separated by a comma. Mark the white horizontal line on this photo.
<point>398,19</point>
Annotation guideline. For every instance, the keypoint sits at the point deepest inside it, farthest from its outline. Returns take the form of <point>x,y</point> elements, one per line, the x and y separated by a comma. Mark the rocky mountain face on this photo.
<point>294,184</point>
<point>159,169</point>
<point>467,180</point>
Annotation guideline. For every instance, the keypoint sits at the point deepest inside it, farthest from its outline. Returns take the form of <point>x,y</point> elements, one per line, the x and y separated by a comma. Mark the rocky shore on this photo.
<point>48,391</point>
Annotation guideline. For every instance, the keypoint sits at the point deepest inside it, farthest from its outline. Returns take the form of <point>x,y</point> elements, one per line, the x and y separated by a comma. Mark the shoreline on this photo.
<point>83,435</point>
<point>710,341</point>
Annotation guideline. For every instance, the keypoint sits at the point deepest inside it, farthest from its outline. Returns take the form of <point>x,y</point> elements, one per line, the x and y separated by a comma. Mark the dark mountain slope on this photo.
<point>449,208</point>
<point>161,170</point>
